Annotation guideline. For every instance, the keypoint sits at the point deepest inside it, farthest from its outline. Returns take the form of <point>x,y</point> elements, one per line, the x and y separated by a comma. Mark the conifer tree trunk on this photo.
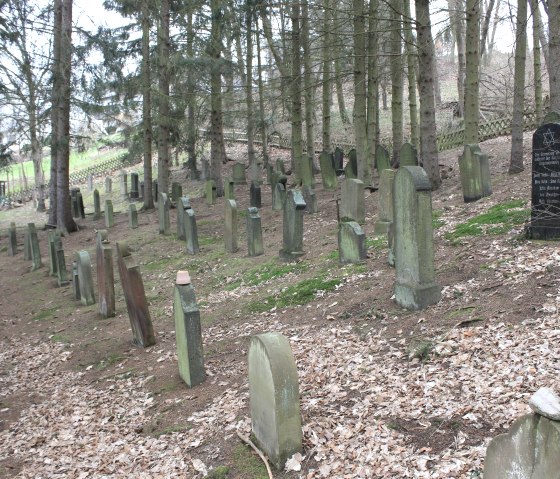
<point>147,105</point>
<point>327,84</point>
<point>457,15</point>
<point>495,21</point>
<point>554,53</point>
<point>472,67</point>
<point>252,157</point>
<point>411,59</point>
<point>537,73</point>
<point>163,98</point>
<point>191,100</point>
<point>307,81</point>
<point>396,79</point>
<point>297,134</point>
<point>373,81</point>
<point>263,123</point>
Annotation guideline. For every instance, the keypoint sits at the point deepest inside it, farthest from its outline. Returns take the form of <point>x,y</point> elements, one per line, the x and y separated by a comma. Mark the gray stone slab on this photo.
<point>109,215</point>
<point>164,221</point>
<point>230,226</point>
<point>292,238</point>
<point>61,273</point>
<point>351,243</point>
<point>108,185</point>
<point>385,202</point>
<point>96,205</point>
<point>238,173</point>
<point>211,192</point>
<point>85,276</point>
<point>191,232</point>
<point>34,247</point>
<point>255,244</point>
<point>352,201</point>
<point>328,173</point>
<point>132,216</point>
<point>105,275</point>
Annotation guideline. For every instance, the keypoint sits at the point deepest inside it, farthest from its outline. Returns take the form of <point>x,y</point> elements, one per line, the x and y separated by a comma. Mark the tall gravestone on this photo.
<point>108,185</point>
<point>12,240</point>
<point>292,238</point>
<point>211,192</point>
<point>123,181</point>
<point>90,183</point>
<point>109,216</point>
<point>132,216</point>
<point>75,281</point>
<point>230,233</point>
<point>105,275</point>
<point>52,252</point>
<point>155,191</point>
<point>385,202</point>
<point>135,296</point>
<point>34,247</point>
<point>81,208</point>
<point>238,173</point>
<point>408,156</point>
<point>26,245</point>
<point>134,186</point>
<point>382,159</point>
<point>96,205</point>
<point>183,205</point>
<point>188,332</point>
<point>229,189</point>
<point>545,184</point>
<point>338,161</point>
<point>74,205</point>
<point>163,215</point>
<point>254,232</point>
<point>85,277</point>
<point>415,286</point>
<point>352,201</point>
<point>351,242</point>
<point>61,273</point>
<point>191,232</point>
<point>255,195</point>
<point>274,397</point>
<point>306,171</point>
<point>328,173</point>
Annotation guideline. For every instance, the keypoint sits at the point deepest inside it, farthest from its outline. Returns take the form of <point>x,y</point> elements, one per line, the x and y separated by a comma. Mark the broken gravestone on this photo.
<point>351,243</point>
<point>105,275</point>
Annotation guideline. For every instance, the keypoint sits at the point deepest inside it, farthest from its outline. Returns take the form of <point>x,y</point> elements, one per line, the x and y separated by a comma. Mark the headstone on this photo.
<point>141,190</point>
<point>26,245</point>
<point>545,184</point>
<point>134,186</point>
<point>191,232</point>
<point>238,173</point>
<point>255,195</point>
<point>96,205</point>
<point>293,226</point>
<point>352,201</point>
<point>132,216</point>
<point>135,296</point>
<point>75,282</point>
<point>182,206</point>
<point>230,232</point>
<point>254,232</point>
<point>109,216</point>
<point>269,171</point>
<point>90,183</point>
<point>529,450</point>
<point>105,275</point>
<point>124,184</point>
<point>52,251</point>
<point>12,240</point>
<point>155,190</point>
<point>306,171</point>
<point>74,205</point>
<point>382,159</point>
<point>351,168</point>
<point>34,247</point>
<point>408,156</point>
<point>211,192</point>
<point>415,286</point>
<point>475,174</point>
<point>61,273</point>
<point>274,397</point>
<point>163,215</point>
<point>338,161</point>
<point>108,185</point>
<point>351,243</point>
<point>310,199</point>
<point>176,191</point>
<point>188,332</point>
<point>385,202</point>
<point>81,209</point>
<point>328,173</point>
<point>229,189</point>
<point>279,197</point>
<point>85,278</point>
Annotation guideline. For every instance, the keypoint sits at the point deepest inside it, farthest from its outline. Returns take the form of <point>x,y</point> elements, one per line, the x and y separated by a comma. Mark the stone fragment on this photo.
<point>546,403</point>
<point>105,275</point>
<point>85,277</point>
<point>254,232</point>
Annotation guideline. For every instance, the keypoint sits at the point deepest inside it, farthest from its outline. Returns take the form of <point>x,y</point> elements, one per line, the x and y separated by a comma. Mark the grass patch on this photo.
<point>437,222</point>
<point>499,219</point>
<point>60,338</point>
<point>208,240</point>
<point>45,314</point>
<point>461,312</point>
<point>266,272</point>
<point>171,430</point>
<point>113,358</point>
<point>160,264</point>
<point>221,472</point>
<point>378,243</point>
<point>248,464</point>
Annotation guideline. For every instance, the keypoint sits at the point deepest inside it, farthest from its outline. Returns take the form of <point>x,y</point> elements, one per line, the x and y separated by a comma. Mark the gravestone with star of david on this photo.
<point>545,184</point>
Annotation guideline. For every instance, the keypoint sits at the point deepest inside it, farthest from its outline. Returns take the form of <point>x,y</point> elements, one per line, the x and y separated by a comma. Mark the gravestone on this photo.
<point>61,273</point>
<point>269,171</point>
<point>105,275</point>
<point>274,397</point>
<point>205,170</point>
<point>229,189</point>
<point>351,243</point>
<point>90,183</point>
<point>96,205</point>
<point>385,202</point>
<point>188,332</point>
<point>134,186</point>
<point>310,199</point>
<point>12,240</point>
<point>191,232</point>
<point>306,171</point>
<point>230,232</point>
<point>176,191</point>
<point>155,190</point>
<point>132,216</point>
<point>238,173</point>
<point>163,215</point>
<point>255,195</point>
<point>351,168</point>
<point>81,209</point>
<point>475,174</point>
<point>108,185</point>
<point>141,190</point>
<point>26,245</point>
<point>123,180</point>
<point>254,232</point>
<point>293,226</point>
<point>183,205</point>
<point>74,205</point>
<point>34,247</point>
<point>52,252</point>
<point>352,201</point>
<point>338,161</point>
<point>211,192</point>
<point>382,159</point>
<point>415,286</point>
<point>135,296</point>
<point>109,216</point>
<point>75,281</point>
<point>279,197</point>
<point>545,184</point>
<point>408,156</point>
<point>328,173</point>
<point>85,278</point>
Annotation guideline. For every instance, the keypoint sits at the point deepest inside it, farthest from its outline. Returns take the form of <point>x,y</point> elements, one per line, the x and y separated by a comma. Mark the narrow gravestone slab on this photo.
<point>191,232</point>
<point>12,240</point>
<point>310,199</point>
<point>211,192</point>
<point>155,191</point>
<point>351,168</point>
<point>230,232</point>
<point>352,201</point>
<point>351,243</point>
<point>52,252</point>
<point>545,184</point>
<point>123,181</point>
<point>529,450</point>
<point>90,183</point>
<point>109,216</point>
<point>279,197</point>
<point>238,173</point>
<point>274,397</point>
<point>183,205</point>
<point>34,247</point>
<point>485,176</point>
<point>75,281</point>
<point>293,226</point>
<point>269,170</point>
<point>132,216</point>
<point>176,191</point>
<point>61,273</point>
<point>85,277</point>
<point>338,161</point>
<point>415,286</point>
<point>163,215</point>
<point>96,205</point>
<point>385,202</point>
<point>382,159</point>
<point>105,275</point>
<point>135,296</point>
<point>408,156</point>
<point>307,171</point>
<point>26,245</point>
<point>74,202</point>
<point>475,174</point>
<point>255,195</point>
<point>188,332</point>
<point>108,185</point>
<point>254,232</point>
<point>328,173</point>
<point>134,186</point>
<point>81,208</point>
<point>229,189</point>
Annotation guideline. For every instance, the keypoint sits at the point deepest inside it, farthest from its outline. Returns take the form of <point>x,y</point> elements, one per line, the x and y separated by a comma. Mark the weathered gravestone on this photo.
<point>352,201</point>
<point>134,186</point>
<point>96,205</point>
<point>74,205</point>
<point>351,242</point>
<point>351,168</point>
<point>238,173</point>
<point>310,199</point>
<point>109,216</point>
<point>307,171</point>
<point>12,240</point>
<point>52,251</point>
<point>85,278</point>
<point>75,281</point>
<point>191,232</point>
<point>155,191</point>
<point>183,205</point>
<point>269,170</point>
<point>211,192</point>
<point>123,181</point>
<point>382,159</point>
<point>278,196</point>
<point>255,195</point>
<point>26,245</point>
<point>254,232</point>
<point>132,216</point>
<point>163,215</point>
<point>415,286</point>
<point>338,161</point>
<point>61,273</point>
<point>81,208</point>
<point>475,174</point>
<point>328,173</point>
<point>408,156</point>
<point>135,296</point>
<point>90,183</point>
<point>188,333</point>
<point>230,231</point>
<point>292,239</point>
<point>274,397</point>
<point>385,202</point>
<point>545,185</point>
<point>105,275</point>
<point>229,189</point>
<point>142,191</point>
<point>34,247</point>
<point>176,191</point>
<point>108,185</point>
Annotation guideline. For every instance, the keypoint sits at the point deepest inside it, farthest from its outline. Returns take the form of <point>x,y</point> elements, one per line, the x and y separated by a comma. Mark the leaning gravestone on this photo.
<point>61,273</point>
<point>351,243</point>
<point>183,205</point>
<point>12,240</point>
<point>109,216</point>
<point>293,226</point>
<point>274,397</point>
<point>105,275</point>
<point>211,192</point>
<point>352,201</point>
<point>415,286</point>
<point>132,216</point>
<point>96,205</point>
<point>255,195</point>
<point>382,159</point>
<point>338,161</point>
<point>134,186</point>
<point>545,185</point>
<point>230,232</point>
<point>135,296</point>
<point>163,215</point>
<point>85,278</point>
<point>238,173</point>
<point>191,232</point>
<point>408,156</point>
<point>385,202</point>
<point>188,332</point>
<point>328,173</point>
<point>254,232</point>
<point>34,247</point>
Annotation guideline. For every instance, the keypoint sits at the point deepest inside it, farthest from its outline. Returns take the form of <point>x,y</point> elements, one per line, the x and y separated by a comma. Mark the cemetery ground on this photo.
<point>385,392</point>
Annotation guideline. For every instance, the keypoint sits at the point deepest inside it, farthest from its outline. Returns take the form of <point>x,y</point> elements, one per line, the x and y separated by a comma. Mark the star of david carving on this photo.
<point>549,139</point>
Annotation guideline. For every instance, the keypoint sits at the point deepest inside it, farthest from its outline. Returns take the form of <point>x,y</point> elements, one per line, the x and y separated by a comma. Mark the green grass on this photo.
<point>436,221</point>
<point>45,314</point>
<point>378,243</point>
<point>248,463</point>
<point>60,338</point>
<point>266,272</point>
<point>499,219</point>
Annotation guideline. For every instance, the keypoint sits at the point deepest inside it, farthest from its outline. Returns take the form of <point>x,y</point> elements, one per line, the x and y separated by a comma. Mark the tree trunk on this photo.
<point>326,84</point>
<point>542,36</point>
<point>458,22</point>
<point>252,157</point>
<point>485,27</point>
<point>411,59</point>
<point>297,135</point>
<point>373,81</point>
<point>264,129</point>
<point>191,100</point>
<point>537,60</point>
<point>428,143</point>
<point>554,54</point>
<point>472,66</point>
<point>163,98</point>
<point>495,21</point>
<point>146,106</point>
<point>396,79</point>
<point>307,81</point>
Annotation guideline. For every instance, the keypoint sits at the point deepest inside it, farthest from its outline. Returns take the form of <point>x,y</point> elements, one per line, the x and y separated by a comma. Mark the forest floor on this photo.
<point>385,393</point>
